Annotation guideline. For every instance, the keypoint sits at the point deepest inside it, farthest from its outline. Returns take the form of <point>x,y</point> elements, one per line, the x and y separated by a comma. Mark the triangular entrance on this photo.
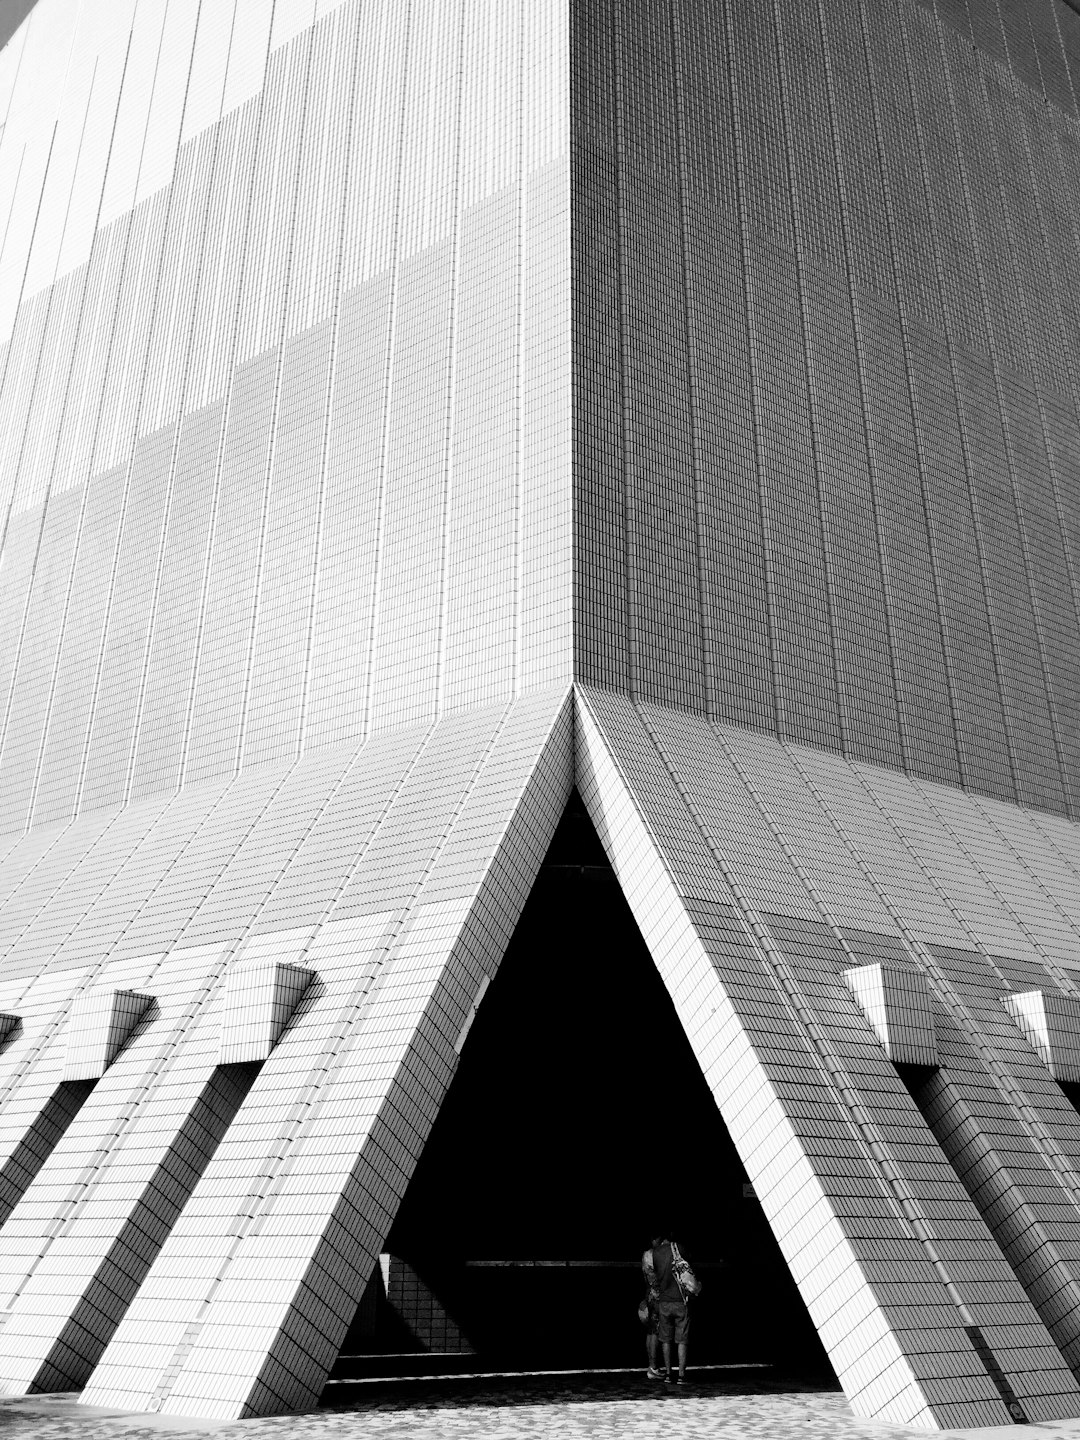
<point>577,1121</point>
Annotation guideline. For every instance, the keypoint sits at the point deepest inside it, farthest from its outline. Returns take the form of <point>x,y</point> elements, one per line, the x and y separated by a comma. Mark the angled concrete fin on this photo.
<point>897,1003</point>
<point>1051,1021</point>
<point>100,1025</point>
<point>260,999</point>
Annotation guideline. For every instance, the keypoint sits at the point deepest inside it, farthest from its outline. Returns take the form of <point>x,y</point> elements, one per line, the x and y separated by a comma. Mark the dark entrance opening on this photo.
<point>579,1125</point>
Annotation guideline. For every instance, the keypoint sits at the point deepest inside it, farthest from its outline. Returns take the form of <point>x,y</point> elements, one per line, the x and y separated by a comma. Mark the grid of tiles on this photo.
<point>286,426</point>
<point>826,430</point>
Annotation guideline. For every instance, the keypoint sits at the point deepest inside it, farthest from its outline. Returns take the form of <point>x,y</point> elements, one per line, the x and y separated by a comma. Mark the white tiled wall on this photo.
<point>285,430</point>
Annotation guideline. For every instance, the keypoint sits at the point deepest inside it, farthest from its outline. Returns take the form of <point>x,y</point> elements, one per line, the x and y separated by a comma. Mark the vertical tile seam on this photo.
<point>1038,819</point>
<point>193,687</point>
<point>130,466</point>
<point>389,390</point>
<point>1052,703</point>
<point>627,487</point>
<point>450,399</point>
<point>1070,783</point>
<point>971,468</point>
<point>33,234</point>
<point>1065,60</point>
<point>47,711</point>
<point>951,344</point>
<point>181,418</point>
<point>909,747</point>
<point>963,763</point>
<point>706,626</point>
<point>10,349</point>
<point>330,393</point>
<point>519,353</point>
<point>821,531</point>
<point>776,695</point>
<point>305,40</point>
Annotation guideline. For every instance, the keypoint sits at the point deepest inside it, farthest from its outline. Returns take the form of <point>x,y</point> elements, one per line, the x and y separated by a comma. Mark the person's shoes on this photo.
<point>681,1380</point>
<point>654,1374</point>
<point>667,1378</point>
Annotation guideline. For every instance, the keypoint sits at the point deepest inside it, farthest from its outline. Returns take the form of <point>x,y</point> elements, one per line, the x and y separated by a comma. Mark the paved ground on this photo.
<point>577,1407</point>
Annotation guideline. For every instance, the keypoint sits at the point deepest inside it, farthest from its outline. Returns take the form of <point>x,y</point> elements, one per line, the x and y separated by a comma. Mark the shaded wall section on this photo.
<point>12,14</point>
<point>825,338</point>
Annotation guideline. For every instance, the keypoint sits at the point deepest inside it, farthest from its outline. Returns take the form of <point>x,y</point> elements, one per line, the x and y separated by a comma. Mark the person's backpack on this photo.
<point>685,1278</point>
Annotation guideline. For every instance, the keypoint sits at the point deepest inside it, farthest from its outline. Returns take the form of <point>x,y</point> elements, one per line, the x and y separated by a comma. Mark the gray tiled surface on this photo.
<point>829,494</point>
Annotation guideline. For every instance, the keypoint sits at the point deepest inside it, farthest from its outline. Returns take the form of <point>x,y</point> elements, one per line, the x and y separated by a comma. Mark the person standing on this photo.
<point>673,1314</point>
<point>648,1311</point>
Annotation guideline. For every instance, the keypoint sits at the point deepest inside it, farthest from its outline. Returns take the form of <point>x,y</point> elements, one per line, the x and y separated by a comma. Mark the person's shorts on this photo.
<point>674,1322</point>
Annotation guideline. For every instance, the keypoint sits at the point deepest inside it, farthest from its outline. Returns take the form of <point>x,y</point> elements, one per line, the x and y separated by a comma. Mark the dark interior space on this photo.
<point>578,1126</point>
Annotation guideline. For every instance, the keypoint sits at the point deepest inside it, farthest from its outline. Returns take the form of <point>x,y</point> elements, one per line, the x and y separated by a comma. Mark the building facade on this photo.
<point>412,410</point>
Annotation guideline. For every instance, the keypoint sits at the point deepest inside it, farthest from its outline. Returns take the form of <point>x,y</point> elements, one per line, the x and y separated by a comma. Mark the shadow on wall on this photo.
<point>12,14</point>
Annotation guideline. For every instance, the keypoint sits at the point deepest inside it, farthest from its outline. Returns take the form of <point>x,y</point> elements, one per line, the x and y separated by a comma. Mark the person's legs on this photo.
<point>681,1334</point>
<point>652,1341</point>
<point>667,1327</point>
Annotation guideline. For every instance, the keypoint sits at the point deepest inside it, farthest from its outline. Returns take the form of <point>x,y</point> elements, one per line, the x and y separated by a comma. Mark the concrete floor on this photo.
<point>610,1406</point>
